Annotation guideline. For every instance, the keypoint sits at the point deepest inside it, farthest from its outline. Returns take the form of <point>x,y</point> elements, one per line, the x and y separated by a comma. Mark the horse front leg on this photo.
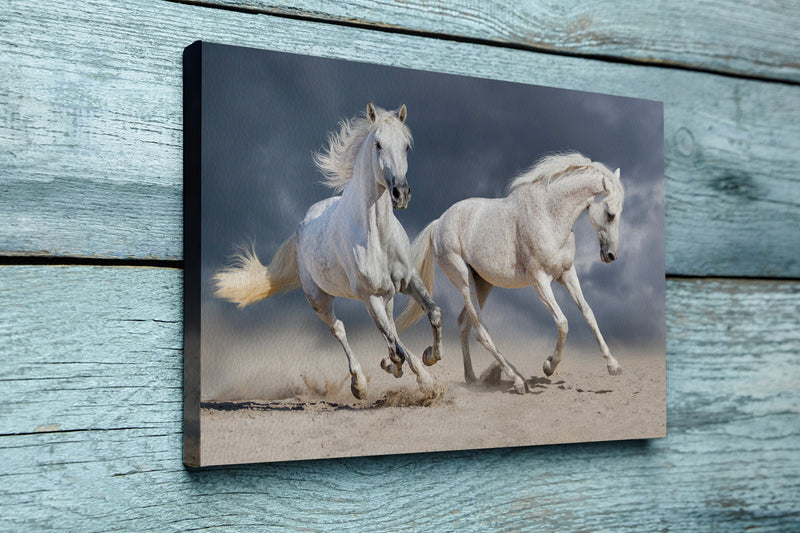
<point>394,363</point>
<point>416,290</point>
<point>570,281</point>
<point>376,306</point>
<point>543,289</point>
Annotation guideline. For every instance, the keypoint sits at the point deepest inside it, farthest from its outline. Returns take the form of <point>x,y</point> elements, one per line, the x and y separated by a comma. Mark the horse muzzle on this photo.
<point>607,256</point>
<point>399,190</point>
<point>400,196</point>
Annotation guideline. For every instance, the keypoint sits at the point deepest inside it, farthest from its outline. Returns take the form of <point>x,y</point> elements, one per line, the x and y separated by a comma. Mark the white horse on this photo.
<point>522,239</point>
<point>350,245</point>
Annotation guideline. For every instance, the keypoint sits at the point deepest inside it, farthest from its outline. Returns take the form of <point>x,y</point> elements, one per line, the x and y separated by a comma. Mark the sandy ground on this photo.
<point>580,402</point>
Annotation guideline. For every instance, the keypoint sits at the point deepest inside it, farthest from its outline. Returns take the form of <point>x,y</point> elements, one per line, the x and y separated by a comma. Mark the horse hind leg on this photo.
<point>464,329</point>
<point>358,383</point>
<point>482,336</point>
<point>322,303</point>
<point>459,273</point>
<point>492,374</point>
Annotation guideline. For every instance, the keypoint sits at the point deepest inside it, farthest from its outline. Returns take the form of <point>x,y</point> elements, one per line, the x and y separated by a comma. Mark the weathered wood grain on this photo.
<point>90,433</point>
<point>91,131</point>
<point>744,38</point>
<point>76,337</point>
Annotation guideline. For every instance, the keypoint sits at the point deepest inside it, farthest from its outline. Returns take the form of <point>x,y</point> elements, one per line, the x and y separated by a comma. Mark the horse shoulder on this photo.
<point>399,258</point>
<point>385,262</point>
<point>567,254</point>
<point>396,242</point>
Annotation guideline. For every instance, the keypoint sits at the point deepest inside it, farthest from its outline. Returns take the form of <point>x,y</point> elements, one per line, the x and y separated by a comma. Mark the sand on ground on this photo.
<point>580,402</point>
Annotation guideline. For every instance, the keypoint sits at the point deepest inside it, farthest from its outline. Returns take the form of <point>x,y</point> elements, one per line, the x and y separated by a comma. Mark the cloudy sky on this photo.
<point>264,113</point>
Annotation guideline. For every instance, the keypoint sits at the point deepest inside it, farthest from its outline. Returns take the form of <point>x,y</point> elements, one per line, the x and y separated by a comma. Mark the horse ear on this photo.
<point>403,113</point>
<point>616,173</point>
<point>371,115</point>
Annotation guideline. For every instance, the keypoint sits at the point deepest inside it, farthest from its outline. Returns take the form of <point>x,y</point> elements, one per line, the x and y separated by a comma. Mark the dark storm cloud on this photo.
<point>265,113</point>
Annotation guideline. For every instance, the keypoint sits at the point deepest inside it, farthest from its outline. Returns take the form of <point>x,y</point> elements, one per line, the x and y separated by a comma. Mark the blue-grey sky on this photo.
<point>264,113</point>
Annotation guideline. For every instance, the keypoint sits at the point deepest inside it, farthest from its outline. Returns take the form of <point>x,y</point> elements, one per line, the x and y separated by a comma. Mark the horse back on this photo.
<point>494,237</point>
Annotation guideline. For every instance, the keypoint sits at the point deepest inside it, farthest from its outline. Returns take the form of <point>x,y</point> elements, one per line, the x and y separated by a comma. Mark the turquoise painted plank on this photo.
<point>90,433</point>
<point>128,480</point>
<point>91,136</point>
<point>110,334</point>
<point>748,38</point>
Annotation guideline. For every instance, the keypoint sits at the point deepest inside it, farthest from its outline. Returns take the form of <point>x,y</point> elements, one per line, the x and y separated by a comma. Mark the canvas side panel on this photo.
<point>192,122</point>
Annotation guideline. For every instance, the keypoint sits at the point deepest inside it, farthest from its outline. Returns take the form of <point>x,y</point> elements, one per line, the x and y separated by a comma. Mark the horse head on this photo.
<point>605,215</point>
<point>391,141</point>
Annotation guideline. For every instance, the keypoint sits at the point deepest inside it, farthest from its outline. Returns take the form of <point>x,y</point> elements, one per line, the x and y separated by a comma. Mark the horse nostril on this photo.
<point>611,256</point>
<point>396,193</point>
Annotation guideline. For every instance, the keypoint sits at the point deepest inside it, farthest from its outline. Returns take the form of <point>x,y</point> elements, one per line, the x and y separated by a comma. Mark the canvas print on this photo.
<point>382,260</point>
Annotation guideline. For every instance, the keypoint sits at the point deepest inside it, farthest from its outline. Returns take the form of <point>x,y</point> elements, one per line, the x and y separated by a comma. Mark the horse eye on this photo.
<point>611,217</point>
<point>377,145</point>
<point>407,147</point>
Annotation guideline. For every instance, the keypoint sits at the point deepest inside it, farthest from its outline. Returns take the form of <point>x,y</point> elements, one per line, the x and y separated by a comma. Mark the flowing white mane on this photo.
<point>557,166</point>
<point>337,160</point>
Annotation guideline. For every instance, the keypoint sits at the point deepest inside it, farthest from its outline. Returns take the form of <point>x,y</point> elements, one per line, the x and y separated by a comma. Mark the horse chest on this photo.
<point>544,253</point>
<point>375,270</point>
<point>555,258</point>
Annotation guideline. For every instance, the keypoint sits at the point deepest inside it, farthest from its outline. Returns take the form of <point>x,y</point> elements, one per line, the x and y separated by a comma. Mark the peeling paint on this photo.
<point>47,428</point>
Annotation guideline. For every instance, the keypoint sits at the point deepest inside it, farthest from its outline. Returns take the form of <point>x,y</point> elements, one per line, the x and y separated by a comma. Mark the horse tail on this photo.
<point>422,251</point>
<point>246,280</point>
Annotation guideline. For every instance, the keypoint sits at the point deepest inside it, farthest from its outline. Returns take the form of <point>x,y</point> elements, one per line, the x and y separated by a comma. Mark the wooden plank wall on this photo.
<point>91,258</point>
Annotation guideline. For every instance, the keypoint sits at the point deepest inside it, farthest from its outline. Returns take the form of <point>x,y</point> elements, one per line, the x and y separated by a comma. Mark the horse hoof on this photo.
<point>428,358</point>
<point>520,387</point>
<point>390,367</point>
<point>358,388</point>
<point>548,367</point>
<point>424,380</point>
<point>615,370</point>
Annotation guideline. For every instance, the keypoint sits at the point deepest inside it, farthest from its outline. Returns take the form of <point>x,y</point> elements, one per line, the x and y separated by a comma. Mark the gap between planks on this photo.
<point>178,264</point>
<point>52,260</point>
<point>307,16</point>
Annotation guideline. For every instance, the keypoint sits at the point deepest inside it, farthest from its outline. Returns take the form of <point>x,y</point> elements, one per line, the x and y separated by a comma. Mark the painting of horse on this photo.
<point>523,239</point>
<point>352,245</point>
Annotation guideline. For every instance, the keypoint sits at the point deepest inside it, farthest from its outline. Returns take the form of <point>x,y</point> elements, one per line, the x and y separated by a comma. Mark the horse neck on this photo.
<point>565,199</point>
<point>369,203</point>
